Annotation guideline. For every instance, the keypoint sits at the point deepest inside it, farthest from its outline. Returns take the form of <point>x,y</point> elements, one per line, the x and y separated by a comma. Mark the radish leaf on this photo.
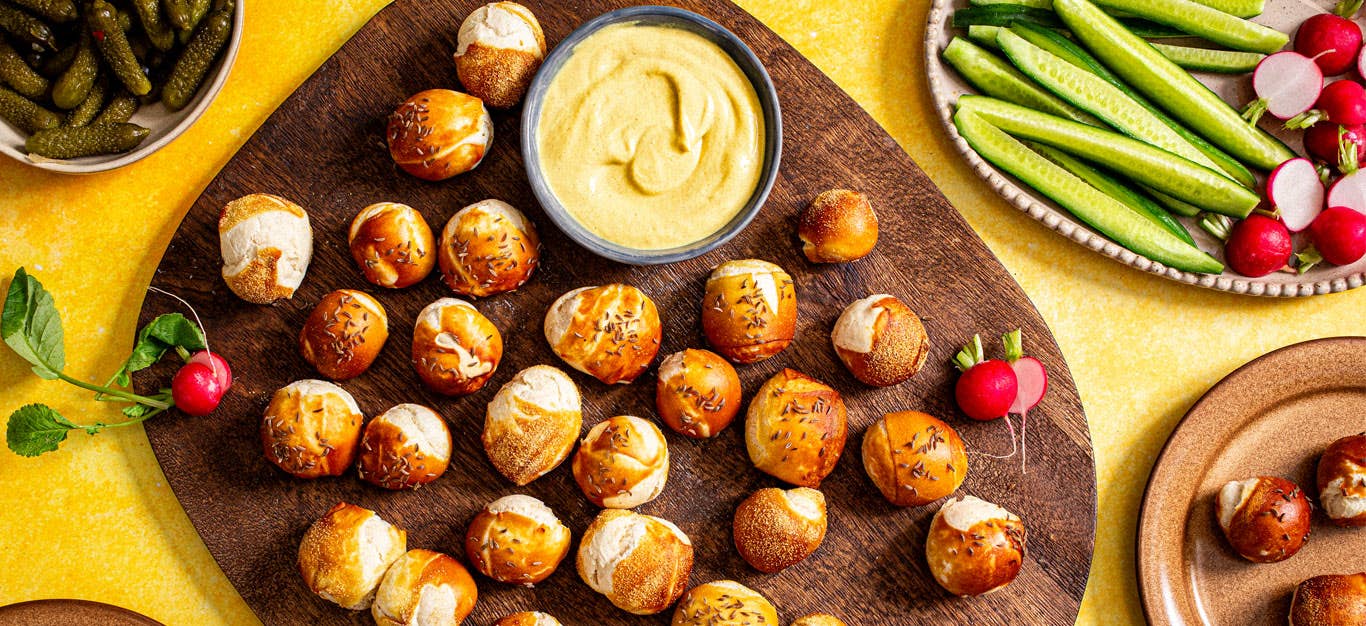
<point>35,429</point>
<point>32,327</point>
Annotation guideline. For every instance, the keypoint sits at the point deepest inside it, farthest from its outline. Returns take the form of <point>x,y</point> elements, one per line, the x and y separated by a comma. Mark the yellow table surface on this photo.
<point>96,520</point>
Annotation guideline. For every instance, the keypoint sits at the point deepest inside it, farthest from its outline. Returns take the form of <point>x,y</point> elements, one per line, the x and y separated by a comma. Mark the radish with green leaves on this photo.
<point>1333,41</point>
<point>1295,190</point>
<point>1287,84</point>
<point>986,388</point>
<point>31,325</point>
<point>989,389</point>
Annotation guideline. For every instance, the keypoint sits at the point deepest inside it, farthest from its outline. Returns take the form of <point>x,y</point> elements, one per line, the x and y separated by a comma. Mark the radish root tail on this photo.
<point>213,364</point>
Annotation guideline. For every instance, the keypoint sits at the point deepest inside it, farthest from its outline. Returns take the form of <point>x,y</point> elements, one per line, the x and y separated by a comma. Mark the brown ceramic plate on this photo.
<point>71,613</point>
<point>946,86</point>
<point>1273,416</point>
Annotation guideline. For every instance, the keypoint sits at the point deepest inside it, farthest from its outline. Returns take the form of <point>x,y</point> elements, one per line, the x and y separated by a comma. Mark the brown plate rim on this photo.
<point>1149,594</point>
<point>111,609</point>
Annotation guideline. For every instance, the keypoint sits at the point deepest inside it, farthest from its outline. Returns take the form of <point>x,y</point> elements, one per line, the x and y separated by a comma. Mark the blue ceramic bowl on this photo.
<point>653,16</point>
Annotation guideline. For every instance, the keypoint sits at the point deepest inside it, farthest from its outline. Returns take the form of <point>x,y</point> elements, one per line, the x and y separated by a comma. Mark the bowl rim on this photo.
<point>208,92</point>
<point>744,58</point>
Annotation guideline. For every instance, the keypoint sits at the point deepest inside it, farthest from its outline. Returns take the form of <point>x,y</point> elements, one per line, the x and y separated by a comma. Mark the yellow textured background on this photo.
<point>96,520</point>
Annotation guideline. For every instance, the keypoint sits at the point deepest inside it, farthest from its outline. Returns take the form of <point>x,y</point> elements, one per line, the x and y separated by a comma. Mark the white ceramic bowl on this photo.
<point>165,125</point>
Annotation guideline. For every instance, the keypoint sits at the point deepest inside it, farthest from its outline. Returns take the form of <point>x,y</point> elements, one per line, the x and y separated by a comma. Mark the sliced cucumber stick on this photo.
<point>993,76</point>
<point>1092,94</point>
<point>1208,60</point>
<point>1115,189</point>
<point>1171,87</point>
<point>1179,207</point>
<point>984,35</point>
<point>1068,51</point>
<point>1133,159</point>
<point>1239,8</point>
<point>1206,22</point>
<point>1109,216</point>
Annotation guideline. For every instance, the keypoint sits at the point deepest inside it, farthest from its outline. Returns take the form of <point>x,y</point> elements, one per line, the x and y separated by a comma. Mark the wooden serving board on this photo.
<point>325,149</point>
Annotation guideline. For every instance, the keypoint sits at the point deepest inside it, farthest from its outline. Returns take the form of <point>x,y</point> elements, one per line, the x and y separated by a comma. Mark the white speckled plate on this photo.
<point>946,86</point>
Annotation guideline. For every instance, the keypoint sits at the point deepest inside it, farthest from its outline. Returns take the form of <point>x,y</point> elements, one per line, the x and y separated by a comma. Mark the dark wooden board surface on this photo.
<point>324,148</point>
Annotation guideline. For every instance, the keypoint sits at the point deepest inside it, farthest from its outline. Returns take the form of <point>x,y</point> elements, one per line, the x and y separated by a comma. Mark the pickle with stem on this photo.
<point>15,72</point>
<point>25,27</point>
<point>102,18</point>
<point>75,82</point>
<point>198,9</point>
<point>88,109</point>
<point>154,23</point>
<point>71,143</point>
<point>177,13</point>
<point>120,109</point>
<point>193,65</point>
<point>58,11</point>
<point>28,115</point>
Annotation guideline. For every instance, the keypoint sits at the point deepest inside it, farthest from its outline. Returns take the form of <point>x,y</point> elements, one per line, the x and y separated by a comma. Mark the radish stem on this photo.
<point>1348,159</point>
<point>1216,225</point>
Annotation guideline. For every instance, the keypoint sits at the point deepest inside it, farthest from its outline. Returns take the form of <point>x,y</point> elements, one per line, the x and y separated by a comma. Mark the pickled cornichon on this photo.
<point>86,112</point>
<point>25,27</point>
<point>16,73</point>
<point>25,113</point>
<point>71,143</point>
<point>102,18</point>
<point>74,83</point>
<point>177,13</point>
<point>191,67</point>
<point>153,24</point>
<point>198,9</point>
<point>57,62</point>
<point>120,109</point>
<point>54,10</point>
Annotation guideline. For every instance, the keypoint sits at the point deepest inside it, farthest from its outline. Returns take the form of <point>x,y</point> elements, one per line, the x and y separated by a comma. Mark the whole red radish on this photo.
<point>217,364</point>
<point>987,387</point>
<point>1257,246</point>
<point>1342,102</point>
<point>1339,234</point>
<point>1331,40</point>
<point>1287,85</point>
<point>196,390</point>
<point>1321,141</point>
<point>1297,193</point>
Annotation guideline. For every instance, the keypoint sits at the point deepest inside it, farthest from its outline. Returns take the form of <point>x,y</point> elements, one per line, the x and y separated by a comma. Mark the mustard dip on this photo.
<point>651,136</point>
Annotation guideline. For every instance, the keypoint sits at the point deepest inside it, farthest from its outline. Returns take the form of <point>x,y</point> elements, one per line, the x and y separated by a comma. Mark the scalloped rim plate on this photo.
<point>946,86</point>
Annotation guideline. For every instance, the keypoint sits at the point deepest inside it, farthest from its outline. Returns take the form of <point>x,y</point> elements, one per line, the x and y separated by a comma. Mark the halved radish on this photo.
<point>1032,381</point>
<point>1295,190</point>
<point>1349,191</point>
<point>1287,84</point>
